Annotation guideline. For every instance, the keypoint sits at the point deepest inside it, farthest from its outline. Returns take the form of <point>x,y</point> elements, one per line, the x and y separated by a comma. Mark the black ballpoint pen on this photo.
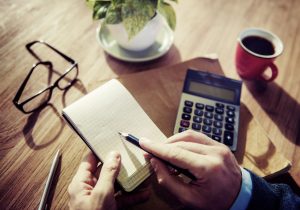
<point>134,140</point>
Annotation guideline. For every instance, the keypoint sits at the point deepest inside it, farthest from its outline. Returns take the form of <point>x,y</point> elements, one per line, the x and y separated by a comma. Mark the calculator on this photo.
<point>210,104</point>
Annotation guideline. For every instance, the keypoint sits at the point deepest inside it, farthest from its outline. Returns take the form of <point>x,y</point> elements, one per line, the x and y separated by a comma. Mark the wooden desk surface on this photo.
<point>29,142</point>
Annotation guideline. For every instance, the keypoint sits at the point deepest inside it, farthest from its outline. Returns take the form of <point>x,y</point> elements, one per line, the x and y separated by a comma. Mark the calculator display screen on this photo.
<point>208,90</point>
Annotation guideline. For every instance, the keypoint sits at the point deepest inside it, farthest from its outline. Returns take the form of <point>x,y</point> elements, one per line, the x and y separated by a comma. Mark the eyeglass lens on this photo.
<point>38,101</point>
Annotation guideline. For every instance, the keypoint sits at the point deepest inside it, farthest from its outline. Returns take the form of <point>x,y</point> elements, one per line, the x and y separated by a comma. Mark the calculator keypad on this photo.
<point>217,122</point>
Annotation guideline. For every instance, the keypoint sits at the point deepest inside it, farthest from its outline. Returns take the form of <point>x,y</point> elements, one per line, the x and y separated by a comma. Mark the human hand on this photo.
<point>87,191</point>
<point>216,169</point>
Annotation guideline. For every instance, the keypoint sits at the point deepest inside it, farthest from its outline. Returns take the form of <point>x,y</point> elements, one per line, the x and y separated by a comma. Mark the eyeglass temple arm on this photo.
<point>28,47</point>
<point>22,87</point>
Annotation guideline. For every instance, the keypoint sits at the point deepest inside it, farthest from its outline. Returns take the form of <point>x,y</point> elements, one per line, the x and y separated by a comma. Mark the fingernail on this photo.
<point>113,156</point>
<point>147,155</point>
<point>153,163</point>
<point>144,141</point>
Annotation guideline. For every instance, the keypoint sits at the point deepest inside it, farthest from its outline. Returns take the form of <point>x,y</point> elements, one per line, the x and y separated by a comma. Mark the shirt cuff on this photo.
<point>243,198</point>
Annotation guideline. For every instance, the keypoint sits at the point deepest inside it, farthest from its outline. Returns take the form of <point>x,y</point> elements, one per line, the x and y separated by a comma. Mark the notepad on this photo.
<point>100,115</point>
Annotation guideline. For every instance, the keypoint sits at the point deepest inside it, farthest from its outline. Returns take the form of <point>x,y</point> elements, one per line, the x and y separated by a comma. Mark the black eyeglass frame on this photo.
<point>74,64</point>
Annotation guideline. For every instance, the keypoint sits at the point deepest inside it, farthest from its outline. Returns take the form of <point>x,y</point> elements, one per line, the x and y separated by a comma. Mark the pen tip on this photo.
<point>58,152</point>
<point>123,134</point>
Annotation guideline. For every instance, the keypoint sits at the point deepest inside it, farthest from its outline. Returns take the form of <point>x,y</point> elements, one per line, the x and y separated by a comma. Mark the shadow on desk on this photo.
<point>78,84</point>
<point>250,152</point>
<point>282,109</point>
<point>31,122</point>
<point>256,151</point>
<point>51,118</point>
<point>123,67</point>
<point>245,118</point>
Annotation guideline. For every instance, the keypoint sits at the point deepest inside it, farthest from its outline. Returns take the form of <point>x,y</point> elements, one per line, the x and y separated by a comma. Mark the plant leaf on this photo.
<point>113,14</point>
<point>154,3</point>
<point>136,14</point>
<point>91,3</point>
<point>176,1</point>
<point>100,9</point>
<point>117,2</point>
<point>168,12</point>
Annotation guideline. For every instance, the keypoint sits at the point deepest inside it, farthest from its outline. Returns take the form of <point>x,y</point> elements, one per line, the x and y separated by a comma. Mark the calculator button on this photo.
<point>207,121</point>
<point>219,105</point>
<point>230,108</point>
<point>219,111</point>
<point>199,106</point>
<point>217,138</point>
<point>181,129</point>
<point>197,119</point>
<point>185,124</point>
<point>217,131</point>
<point>187,110</point>
<point>209,108</point>
<point>186,116</point>
<point>207,134</point>
<point>229,120</point>
<point>188,103</point>
<point>206,129</point>
<point>196,126</point>
<point>229,127</point>
<point>208,115</point>
<point>228,138</point>
<point>230,113</point>
<point>218,117</point>
<point>218,124</point>
<point>198,112</point>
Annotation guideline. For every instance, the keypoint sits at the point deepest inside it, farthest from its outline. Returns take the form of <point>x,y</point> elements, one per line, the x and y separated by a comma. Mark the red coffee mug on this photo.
<point>256,51</point>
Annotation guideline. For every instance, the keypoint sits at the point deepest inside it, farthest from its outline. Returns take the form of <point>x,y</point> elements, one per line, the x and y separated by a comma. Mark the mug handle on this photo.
<point>274,73</point>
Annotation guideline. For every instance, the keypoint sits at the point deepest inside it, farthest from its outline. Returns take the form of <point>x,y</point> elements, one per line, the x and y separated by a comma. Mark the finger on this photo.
<point>84,178</point>
<point>130,199</point>
<point>175,155</point>
<point>109,172</point>
<point>89,163</point>
<point>86,169</point>
<point>147,156</point>
<point>172,183</point>
<point>195,147</point>
<point>191,136</point>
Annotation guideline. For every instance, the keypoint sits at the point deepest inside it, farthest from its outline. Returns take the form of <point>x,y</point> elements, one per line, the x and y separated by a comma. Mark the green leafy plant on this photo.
<point>134,14</point>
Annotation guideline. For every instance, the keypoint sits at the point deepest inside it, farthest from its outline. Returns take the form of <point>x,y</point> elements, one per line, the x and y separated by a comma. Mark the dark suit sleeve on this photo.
<point>272,196</point>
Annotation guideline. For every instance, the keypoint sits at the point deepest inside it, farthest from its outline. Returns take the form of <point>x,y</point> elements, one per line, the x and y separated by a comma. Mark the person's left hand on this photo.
<point>87,191</point>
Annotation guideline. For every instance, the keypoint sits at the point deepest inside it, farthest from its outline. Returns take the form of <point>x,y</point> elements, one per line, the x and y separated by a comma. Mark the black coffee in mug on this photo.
<point>258,45</point>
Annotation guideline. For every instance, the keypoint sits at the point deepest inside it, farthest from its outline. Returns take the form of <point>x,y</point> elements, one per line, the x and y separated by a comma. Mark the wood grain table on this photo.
<point>29,141</point>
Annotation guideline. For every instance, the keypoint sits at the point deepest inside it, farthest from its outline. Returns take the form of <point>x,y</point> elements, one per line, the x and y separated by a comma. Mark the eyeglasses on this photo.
<point>41,98</point>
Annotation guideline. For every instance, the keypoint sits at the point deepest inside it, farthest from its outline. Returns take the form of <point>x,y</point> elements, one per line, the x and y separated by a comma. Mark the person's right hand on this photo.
<point>216,169</point>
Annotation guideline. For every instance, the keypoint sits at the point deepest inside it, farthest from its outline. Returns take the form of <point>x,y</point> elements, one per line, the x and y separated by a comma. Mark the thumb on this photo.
<point>109,172</point>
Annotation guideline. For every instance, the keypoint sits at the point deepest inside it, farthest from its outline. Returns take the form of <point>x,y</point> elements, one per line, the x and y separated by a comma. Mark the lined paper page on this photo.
<point>101,114</point>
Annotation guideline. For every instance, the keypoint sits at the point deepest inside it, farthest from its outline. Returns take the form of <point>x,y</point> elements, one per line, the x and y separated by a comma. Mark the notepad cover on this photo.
<point>100,115</point>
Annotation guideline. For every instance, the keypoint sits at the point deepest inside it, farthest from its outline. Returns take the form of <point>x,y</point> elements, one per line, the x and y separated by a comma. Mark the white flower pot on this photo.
<point>144,39</point>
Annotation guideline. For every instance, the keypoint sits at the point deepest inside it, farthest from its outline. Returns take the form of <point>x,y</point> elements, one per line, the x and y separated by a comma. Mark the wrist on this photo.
<point>242,200</point>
